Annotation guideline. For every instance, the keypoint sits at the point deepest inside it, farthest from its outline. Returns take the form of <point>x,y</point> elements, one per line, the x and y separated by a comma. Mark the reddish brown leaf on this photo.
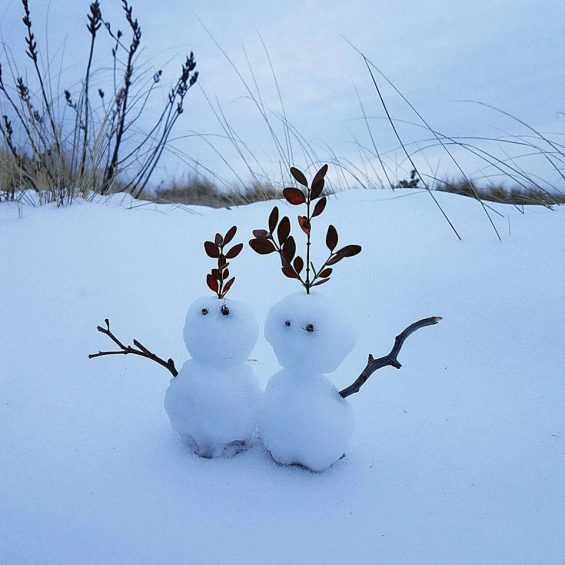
<point>234,251</point>
<point>299,176</point>
<point>273,219</point>
<point>230,234</point>
<point>226,274</point>
<point>331,238</point>
<point>260,234</point>
<point>325,273</point>
<point>319,208</point>
<point>283,230</point>
<point>219,239</point>
<point>227,286</point>
<point>349,250</point>
<point>294,195</point>
<point>262,246</point>
<point>335,259</point>
<point>318,182</point>
<point>222,261</point>
<point>289,249</point>
<point>216,274</point>
<point>298,264</point>
<point>211,249</point>
<point>212,283</point>
<point>322,281</point>
<point>304,223</point>
<point>317,189</point>
<point>289,272</point>
<point>320,174</point>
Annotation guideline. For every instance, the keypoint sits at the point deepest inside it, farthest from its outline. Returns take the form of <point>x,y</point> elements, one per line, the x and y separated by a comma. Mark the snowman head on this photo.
<point>220,332</point>
<point>309,332</point>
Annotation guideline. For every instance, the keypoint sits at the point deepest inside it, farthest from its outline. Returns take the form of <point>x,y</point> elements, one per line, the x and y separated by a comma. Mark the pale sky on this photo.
<point>506,53</point>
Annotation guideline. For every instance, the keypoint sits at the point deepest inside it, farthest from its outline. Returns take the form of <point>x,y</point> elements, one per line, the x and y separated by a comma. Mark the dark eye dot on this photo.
<point>204,311</point>
<point>310,328</point>
<point>287,323</point>
<point>224,310</point>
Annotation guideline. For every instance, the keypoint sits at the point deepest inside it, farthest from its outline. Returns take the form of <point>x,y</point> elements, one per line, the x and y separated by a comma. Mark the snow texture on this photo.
<point>458,458</point>
<point>214,408</point>
<point>304,421</point>
<point>320,350</point>
<point>216,338</point>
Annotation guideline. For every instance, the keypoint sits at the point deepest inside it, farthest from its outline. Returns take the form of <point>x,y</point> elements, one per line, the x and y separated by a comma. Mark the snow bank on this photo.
<point>457,458</point>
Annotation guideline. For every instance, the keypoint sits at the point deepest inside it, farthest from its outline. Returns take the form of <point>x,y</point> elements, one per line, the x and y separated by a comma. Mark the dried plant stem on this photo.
<point>141,350</point>
<point>308,198</point>
<point>390,359</point>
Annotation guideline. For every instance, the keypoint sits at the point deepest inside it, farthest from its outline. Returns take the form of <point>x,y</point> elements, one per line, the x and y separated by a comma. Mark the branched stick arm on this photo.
<point>141,350</point>
<point>390,359</point>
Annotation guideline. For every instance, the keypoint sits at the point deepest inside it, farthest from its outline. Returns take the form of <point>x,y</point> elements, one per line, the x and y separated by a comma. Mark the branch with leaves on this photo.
<point>136,349</point>
<point>390,359</point>
<point>218,280</point>
<point>278,239</point>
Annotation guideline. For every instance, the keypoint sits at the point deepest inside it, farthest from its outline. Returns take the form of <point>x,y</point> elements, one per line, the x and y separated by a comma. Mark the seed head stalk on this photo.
<point>308,244</point>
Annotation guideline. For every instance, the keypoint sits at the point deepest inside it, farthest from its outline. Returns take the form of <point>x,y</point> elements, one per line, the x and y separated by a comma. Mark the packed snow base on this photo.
<point>213,403</point>
<point>304,421</point>
<point>458,458</point>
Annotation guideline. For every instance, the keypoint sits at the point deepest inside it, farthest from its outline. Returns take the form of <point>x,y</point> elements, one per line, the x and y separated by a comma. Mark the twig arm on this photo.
<point>141,350</point>
<point>390,359</point>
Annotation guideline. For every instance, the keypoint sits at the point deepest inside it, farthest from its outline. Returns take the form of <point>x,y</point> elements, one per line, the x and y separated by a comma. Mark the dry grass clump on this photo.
<point>522,196</point>
<point>200,191</point>
<point>84,140</point>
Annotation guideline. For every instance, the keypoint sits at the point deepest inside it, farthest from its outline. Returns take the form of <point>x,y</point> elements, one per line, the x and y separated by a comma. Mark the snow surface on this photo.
<point>216,338</point>
<point>457,458</point>
<point>304,421</point>
<point>323,348</point>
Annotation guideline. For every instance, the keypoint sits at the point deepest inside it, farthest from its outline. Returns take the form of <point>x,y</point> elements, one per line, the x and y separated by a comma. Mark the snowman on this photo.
<point>304,419</point>
<point>213,402</point>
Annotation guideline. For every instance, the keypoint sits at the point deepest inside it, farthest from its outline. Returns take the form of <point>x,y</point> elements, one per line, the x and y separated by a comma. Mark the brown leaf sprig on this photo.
<point>278,239</point>
<point>218,280</point>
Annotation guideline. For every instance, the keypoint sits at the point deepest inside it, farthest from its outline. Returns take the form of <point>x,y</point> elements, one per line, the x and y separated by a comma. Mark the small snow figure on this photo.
<point>213,403</point>
<point>304,420</point>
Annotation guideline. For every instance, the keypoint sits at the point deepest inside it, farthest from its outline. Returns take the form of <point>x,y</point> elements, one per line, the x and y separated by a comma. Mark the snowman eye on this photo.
<point>309,328</point>
<point>224,310</point>
<point>287,323</point>
<point>204,311</point>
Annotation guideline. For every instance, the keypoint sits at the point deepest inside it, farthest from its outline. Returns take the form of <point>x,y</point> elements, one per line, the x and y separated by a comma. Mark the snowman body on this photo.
<point>304,420</point>
<point>213,403</point>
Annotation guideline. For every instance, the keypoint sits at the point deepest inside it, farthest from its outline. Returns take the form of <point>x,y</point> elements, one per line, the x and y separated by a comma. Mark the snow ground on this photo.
<point>457,458</point>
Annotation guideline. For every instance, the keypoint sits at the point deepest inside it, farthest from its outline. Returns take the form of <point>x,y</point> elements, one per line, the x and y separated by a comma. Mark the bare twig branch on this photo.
<point>141,350</point>
<point>390,359</point>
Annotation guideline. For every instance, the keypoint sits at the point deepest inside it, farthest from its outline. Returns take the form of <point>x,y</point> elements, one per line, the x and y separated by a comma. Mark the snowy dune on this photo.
<point>457,458</point>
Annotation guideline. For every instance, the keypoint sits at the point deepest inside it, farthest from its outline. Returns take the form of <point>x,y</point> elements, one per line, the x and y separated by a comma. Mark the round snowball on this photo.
<point>304,420</point>
<point>213,408</point>
<point>309,332</point>
<point>220,331</point>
